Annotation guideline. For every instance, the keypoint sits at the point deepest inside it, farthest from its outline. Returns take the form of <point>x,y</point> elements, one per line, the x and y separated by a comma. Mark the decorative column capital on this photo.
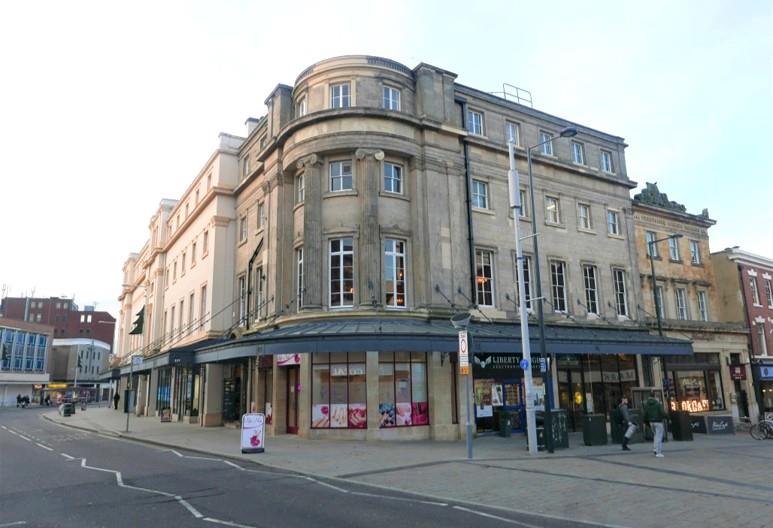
<point>362,153</point>
<point>309,161</point>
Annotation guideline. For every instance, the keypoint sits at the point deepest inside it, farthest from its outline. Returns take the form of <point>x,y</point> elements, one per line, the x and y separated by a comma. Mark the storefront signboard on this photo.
<point>496,366</point>
<point>698,424</point>
<point>283,360</point>
<point>720,425</point>
<point>737,372</point>
<point>766,372</point>
<point>252,433</point>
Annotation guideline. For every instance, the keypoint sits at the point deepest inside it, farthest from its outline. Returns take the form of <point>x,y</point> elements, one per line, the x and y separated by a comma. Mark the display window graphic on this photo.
<point>403,390</point>
<point>339,391</point>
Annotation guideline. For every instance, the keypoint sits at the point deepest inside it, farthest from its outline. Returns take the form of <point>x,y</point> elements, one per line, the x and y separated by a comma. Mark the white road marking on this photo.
<point>497,517</point>
<point>194,457</point>
<point>24,437</point>
<point>188,506</point>
<point>44,447</point>
<point>237,466</point>
<point>4,427</point>
<point>15,523</point>
<point>68,457</point>
<point>342,490</point>
<point>227,523</point>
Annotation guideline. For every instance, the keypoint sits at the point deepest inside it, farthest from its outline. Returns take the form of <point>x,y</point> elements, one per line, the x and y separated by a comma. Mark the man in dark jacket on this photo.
<point>116,399</point>
<point>654,414</point>
<point>625,420</point>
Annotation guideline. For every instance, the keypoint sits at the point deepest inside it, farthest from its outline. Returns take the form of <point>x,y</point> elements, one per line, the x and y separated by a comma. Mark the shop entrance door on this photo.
<point>514,404</point>
<point>293,387</point>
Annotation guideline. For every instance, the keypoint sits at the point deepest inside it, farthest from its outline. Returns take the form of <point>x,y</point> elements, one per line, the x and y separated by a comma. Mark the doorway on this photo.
<point>293,388</point>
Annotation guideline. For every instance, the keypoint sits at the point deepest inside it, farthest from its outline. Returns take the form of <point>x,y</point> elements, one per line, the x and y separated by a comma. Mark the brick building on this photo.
<point>64,315</point>
<point>745,283</point>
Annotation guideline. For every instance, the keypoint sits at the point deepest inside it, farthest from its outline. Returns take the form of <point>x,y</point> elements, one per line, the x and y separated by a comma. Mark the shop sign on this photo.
<point>252,433</point>
<point>464,356</point>
<point>492,365</point>
<point>57,385</point>
<point>351,370</point>
<point>282,360</point>
<point>698,424</point>
<point>720,425</point>
<point>766,372</point>
<point>737,373</point>
<point>690,405</point>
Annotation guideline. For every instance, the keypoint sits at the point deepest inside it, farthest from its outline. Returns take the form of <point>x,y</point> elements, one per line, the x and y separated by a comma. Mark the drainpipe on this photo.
<point>468,195</point>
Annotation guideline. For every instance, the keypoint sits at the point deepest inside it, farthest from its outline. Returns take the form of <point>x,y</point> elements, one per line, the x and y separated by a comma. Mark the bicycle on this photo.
<point>763,429</point>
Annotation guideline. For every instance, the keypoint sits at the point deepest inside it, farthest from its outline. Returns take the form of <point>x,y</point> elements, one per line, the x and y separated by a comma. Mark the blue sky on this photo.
<point>108,107</point>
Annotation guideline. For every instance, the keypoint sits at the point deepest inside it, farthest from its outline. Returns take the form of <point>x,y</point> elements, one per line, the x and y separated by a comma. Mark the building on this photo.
<point>24,359</point>
<point>746,288</point>
<point>78,362</point>
<point>356,217</point>
<point>715,380</point>
<point>63,314</point>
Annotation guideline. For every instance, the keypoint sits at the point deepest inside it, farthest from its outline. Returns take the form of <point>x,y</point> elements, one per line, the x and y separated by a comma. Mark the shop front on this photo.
<point>765,377</point>
<point>594,384</point>
<point>498,388</point>
<point>694,384</point>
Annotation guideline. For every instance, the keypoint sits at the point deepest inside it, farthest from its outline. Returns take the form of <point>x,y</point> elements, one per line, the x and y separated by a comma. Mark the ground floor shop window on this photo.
<point>766,398</point>
<point>164,391</point>
<point>402,389</point>
<point>338,391</point>
<point>695,383</point>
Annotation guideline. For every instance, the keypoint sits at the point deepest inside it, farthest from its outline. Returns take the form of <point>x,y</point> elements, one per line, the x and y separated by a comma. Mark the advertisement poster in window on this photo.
<point>420,413</point>
<point>338,415</point>
<point>404,414</point>
<point>358,416</point>
<point>388,416</point>
<point>483,407</point>
<point>496,395</point>
<point>283,360</point>
<point>320,415</point>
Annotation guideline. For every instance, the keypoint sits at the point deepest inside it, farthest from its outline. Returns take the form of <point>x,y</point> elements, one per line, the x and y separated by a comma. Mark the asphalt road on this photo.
<point>54,476</point>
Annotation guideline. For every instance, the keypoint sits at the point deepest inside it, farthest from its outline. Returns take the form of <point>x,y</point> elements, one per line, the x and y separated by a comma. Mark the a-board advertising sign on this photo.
<point>252,432</point>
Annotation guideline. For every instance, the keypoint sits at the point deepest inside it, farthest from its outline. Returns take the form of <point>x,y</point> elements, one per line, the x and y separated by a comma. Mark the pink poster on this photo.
<point>420,413</point>
<point>358,416</point>
<point>320,415</point>
<point>404,414</point>
<point>282,360</point>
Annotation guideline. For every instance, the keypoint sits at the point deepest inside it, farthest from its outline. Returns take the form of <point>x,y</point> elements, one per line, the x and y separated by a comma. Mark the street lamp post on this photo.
<point>565,133</point>
<point>651,253</point>
<point>460,322</point>
<point>514,183</point>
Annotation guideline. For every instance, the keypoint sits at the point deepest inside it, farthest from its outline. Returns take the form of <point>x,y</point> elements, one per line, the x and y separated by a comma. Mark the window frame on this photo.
<point>589,217</point>
<point>478,130</point>
<point>703,305</point>
<point>514,125</point>
<point>410,362</point>
<point>621,292</point>
<point>524,197</point>
<point>300,188</point>
<point>578,148</point>
<point>261,213</point>
<point>241,288</point>
<point>614,228</point>
<point>300,106</point>
<point>344,100</point>
<point>480,273</point>
<point>606,166</point>
<point>395,256</point>
<point>592,303</point>
<point>546,143</point>
<point>682,307</point>
<point>754,288</point>
<point>316,360</point>
<point>242,229</point>
<point>299,277</point>
<point>388,102</point>
<point>557,200</point>
<point>341,280</point>
<point>556,264</point>
<point>768,292</point>
<point>476,195</point>
<point>391,178</point>
<point>673,250</point>
<point>527,281</point>
<point>650,246</point>
<point>695,252</point>
<point>342,175</point>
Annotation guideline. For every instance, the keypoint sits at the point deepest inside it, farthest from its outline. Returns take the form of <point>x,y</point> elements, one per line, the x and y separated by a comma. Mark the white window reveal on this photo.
<point>390,98</point>
<point>393,178</point>
<point>613,223</point>
<point>475,122</point>
<point>484,277</point>
<point>606,161</point>
<point>546,138</point>
<point>578,153</point>
<point>341,176</point>
<point>703,306</point>
<point>681,304</point>
<point>341,95</point>
<point>394,273</point>
<point>479,194</point>
<point>558,285</point>
<point>341,270</point>
<point>695,252</point>
<point>589,274</point>
<point>621,298</point>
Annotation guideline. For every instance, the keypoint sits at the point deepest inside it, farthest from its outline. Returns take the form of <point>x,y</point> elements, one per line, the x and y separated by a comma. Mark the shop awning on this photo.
<point>177,357</point>
<point>396,334</point>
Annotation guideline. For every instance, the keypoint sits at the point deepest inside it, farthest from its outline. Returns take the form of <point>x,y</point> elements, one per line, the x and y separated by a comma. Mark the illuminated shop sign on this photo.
<point>690,405</point>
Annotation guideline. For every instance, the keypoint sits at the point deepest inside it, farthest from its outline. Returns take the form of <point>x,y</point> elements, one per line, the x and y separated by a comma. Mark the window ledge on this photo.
<point>483,211</point>
<point>553,224</point>
<point>397,196</point>
<point>336,194</point>
<point>617,237</point>
<point>586,231</point>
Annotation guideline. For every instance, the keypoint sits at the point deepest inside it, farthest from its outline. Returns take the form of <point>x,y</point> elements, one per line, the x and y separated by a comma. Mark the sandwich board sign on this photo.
<point>252,433</point>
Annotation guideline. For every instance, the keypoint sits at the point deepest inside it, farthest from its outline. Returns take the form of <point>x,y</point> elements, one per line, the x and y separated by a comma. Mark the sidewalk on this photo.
<point>712,481</point>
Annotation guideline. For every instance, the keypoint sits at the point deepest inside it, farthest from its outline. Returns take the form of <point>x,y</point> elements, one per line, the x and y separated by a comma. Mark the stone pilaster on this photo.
<point>313,252</point>
<point>369,180</point>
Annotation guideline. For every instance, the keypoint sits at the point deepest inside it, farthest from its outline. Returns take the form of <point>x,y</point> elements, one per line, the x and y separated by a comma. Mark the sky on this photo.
<point>108,107</point>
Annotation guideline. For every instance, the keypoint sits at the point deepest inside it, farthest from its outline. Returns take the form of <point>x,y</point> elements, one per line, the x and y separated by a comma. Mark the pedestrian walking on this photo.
<point>624,418</point>
<point>654,414</point>
<point>18,400</point>
<point>115,400</point>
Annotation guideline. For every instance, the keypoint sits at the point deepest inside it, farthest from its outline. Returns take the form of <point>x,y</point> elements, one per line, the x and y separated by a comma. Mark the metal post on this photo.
<point>469,424</point>
<point>655,290</point>
<point>129,392</point>
<point>516,205</point>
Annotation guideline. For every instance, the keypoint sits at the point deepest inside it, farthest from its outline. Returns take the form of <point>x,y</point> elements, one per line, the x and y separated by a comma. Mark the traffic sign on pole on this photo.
<point>464,356</point>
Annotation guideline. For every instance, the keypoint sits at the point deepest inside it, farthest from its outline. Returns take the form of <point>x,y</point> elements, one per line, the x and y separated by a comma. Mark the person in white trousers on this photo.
<point>654,414</point>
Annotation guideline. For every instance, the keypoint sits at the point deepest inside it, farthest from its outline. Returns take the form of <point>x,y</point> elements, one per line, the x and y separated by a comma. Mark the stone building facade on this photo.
<point>370,206</point>
<point>717,379</point>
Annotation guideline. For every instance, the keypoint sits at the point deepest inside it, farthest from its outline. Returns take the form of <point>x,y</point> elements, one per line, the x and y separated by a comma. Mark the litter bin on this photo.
<point>594,429</point>
<point>66,409</point>
<point>505,424</point>
<point>681,426</point>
